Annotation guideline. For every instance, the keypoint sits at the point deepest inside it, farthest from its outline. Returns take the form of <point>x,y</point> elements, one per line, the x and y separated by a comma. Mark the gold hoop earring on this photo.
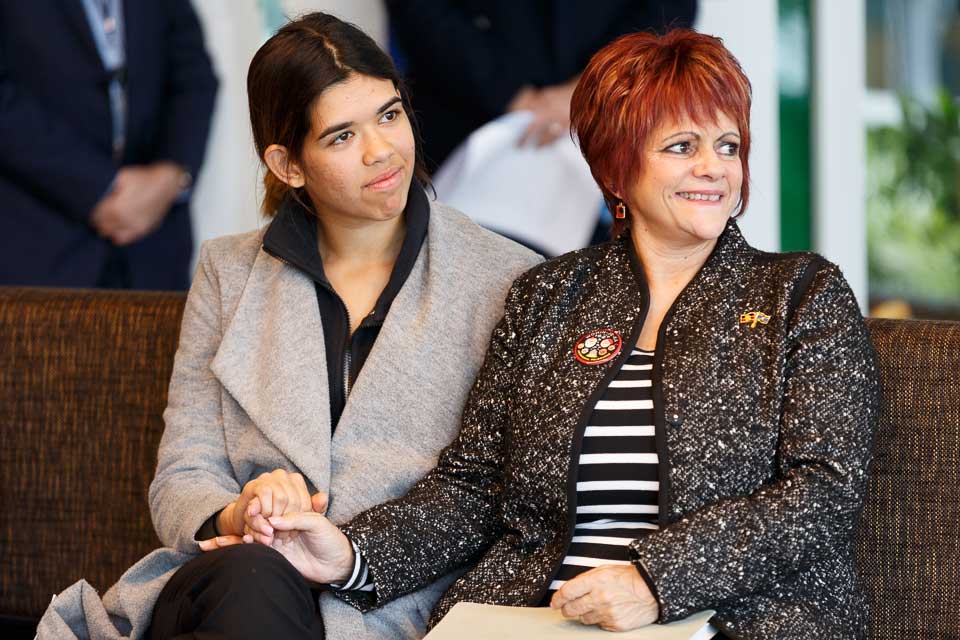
<point>620,211</point>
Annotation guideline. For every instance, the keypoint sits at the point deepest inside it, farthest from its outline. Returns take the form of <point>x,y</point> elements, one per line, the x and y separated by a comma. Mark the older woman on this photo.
<point>667,423</point>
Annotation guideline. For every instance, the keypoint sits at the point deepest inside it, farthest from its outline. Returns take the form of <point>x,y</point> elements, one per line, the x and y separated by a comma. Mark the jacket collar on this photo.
<point>292,238</point>
<point>723,266</point>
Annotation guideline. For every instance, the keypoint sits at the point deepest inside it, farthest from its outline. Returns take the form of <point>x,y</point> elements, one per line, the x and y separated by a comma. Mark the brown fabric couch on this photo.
<point>83,384</point>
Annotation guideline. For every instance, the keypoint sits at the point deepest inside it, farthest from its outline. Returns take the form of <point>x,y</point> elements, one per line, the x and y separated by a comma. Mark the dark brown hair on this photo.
<point>630,86</point>
<point>290,71</point>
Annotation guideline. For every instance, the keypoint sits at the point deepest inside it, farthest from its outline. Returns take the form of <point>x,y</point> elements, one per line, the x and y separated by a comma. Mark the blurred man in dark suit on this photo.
<point>105,107</point>
<point>470,61</point>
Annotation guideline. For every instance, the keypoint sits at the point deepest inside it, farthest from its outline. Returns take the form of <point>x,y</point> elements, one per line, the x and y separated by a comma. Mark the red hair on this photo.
<point>641,80</point>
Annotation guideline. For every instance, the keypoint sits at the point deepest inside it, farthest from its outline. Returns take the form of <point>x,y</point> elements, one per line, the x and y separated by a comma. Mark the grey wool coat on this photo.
<point>249,395</point>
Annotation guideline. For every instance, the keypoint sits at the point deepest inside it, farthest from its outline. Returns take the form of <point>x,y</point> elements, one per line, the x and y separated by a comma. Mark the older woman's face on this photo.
<point>690,183</point>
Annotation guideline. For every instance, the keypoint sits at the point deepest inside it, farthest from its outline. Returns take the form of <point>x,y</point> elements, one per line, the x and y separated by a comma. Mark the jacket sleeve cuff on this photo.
<point>641,567</point>
<point>360,579</point>
<point>208,529</point>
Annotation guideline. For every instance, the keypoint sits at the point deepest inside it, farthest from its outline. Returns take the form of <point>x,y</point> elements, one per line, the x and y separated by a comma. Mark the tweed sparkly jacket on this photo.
<point>766,399</point>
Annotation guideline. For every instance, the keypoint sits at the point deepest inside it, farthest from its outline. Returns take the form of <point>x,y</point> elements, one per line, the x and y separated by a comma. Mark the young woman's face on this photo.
<point>359,156</point>
<point>691,180</point>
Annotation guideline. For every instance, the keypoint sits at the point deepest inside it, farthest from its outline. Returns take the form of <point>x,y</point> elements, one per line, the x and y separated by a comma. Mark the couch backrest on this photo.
<point>83,384</point>
<point>908,544</point>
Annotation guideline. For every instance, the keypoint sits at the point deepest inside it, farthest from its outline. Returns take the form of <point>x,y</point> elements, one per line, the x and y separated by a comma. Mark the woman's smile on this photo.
<point>387,180</point>
<point>702,197</point>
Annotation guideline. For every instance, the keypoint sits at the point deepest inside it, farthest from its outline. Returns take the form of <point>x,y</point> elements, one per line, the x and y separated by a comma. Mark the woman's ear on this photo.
<point>614,191</point>
<point>278,161</point>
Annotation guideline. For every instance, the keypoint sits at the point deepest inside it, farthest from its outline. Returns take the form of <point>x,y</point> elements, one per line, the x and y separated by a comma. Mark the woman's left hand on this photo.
<point>613,597</point>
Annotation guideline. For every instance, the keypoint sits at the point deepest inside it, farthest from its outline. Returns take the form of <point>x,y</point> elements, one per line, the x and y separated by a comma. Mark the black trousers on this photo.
<point>242,591</point>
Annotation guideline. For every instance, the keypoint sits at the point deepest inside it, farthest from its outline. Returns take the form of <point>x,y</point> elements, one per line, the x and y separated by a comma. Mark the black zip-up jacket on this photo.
<point>766,398</point>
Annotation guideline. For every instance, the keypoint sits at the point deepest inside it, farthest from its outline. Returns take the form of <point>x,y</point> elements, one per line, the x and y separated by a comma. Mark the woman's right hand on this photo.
<point>321,553</point>
<point>270,494</point>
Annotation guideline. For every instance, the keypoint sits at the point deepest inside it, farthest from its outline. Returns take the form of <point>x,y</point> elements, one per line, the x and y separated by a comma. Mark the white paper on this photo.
<point>471,621</point>
<point>544,196</point>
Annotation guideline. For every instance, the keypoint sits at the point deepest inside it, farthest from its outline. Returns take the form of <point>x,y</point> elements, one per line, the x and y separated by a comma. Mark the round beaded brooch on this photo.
<point>598,346</point>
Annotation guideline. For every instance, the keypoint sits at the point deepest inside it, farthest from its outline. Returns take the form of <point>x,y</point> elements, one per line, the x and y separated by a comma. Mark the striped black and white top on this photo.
<point>617,477</point>
<point>617,482</point>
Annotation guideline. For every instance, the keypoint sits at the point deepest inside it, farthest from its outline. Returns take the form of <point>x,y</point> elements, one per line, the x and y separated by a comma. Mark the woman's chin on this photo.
<point>708,227</point>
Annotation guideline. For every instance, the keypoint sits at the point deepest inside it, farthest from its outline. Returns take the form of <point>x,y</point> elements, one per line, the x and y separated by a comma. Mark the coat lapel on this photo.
<point>617,303</point>
<point>77,17</point>
<point>137,19</point>
<point>396,370</point>
<point>272,361</point>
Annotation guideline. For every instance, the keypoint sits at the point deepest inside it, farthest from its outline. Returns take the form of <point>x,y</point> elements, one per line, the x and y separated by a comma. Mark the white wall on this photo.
<point>749,29</point>
<point>839,145</point>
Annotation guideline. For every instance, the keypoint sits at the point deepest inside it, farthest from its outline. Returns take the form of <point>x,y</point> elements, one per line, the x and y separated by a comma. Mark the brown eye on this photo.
<point>342,138</point>
<point>390,116</point>
<point>729,148</point>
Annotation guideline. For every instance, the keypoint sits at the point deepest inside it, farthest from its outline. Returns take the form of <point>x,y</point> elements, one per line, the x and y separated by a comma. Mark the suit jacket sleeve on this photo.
<point>191,89</point>
<point>449,518</point>
<point>830,409</point>
<point>194,478</point>
<point>44,155</point>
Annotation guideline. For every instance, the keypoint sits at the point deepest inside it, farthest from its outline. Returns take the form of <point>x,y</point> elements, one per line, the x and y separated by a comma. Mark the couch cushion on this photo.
<point>909,541</point>
<point>83,385</point>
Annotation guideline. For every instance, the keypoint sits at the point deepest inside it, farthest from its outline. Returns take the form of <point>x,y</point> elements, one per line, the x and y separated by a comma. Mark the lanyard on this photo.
<point>106,23</point>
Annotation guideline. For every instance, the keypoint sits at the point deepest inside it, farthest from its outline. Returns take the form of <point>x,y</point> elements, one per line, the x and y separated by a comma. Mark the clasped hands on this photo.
<point>138,201</point>
<point>277,510</point>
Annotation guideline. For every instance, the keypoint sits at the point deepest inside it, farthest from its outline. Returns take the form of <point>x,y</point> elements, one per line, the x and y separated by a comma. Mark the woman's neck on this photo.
<point>360,242</point>
<point>669,266</point>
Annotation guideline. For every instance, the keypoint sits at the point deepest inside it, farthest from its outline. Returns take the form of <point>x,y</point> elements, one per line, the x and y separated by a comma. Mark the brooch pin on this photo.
<point>598,346</point>
<point>753,318</point>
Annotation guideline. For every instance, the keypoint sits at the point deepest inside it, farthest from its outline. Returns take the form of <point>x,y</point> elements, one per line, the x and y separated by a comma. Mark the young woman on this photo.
<point>331,352</point>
